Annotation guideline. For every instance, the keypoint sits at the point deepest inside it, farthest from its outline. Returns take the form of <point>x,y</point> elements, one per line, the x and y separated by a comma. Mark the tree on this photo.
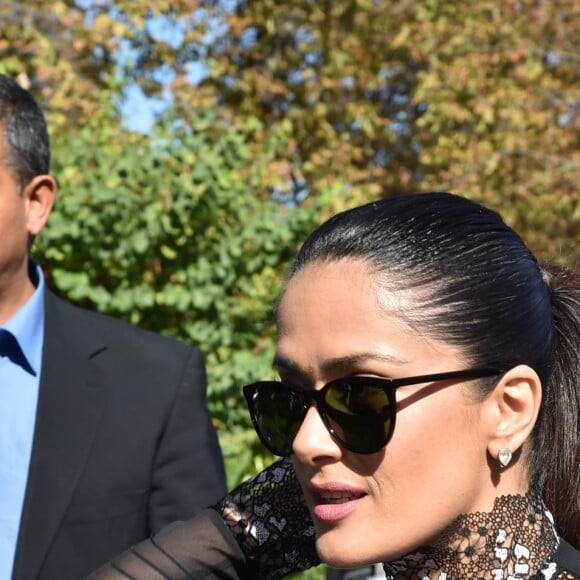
<point>387,97</point>
<point>78,56</point>
<point>381,97</point>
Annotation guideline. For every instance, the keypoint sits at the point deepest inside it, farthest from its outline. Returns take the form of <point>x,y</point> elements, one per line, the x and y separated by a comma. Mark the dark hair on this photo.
<point>483,290</point>
<point>24,130</point>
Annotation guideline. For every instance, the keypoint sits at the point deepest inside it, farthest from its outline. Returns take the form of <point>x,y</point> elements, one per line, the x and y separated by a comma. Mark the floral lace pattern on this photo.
<point>271,523</point>
<point>513,541</point>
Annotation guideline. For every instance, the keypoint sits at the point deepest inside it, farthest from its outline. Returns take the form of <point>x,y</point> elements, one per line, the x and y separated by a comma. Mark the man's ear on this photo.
<point>514,405</point>
<point>40,196</point>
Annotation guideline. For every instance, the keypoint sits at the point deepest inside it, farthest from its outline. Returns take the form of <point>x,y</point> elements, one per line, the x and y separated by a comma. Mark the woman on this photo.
<point>428,400</point>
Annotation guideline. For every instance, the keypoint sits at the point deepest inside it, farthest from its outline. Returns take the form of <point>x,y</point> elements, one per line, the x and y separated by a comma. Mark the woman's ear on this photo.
<point>514,405</point>
<point>40,196</point>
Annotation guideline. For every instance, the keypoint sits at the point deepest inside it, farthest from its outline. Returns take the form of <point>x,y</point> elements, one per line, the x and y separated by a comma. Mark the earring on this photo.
<point>504,456</point>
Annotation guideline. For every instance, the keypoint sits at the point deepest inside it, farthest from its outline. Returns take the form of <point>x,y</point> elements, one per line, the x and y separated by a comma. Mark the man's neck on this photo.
<point>14,295</point>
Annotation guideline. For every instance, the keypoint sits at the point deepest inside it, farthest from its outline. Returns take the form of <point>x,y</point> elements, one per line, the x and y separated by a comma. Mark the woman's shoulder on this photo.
<point>564,563</point>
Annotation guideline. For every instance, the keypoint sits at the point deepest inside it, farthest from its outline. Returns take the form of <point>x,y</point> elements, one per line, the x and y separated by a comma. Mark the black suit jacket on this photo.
<point>123,443</point>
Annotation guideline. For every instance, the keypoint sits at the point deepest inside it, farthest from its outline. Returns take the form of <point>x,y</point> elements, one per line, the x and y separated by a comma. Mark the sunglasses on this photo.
<point>359,412</point>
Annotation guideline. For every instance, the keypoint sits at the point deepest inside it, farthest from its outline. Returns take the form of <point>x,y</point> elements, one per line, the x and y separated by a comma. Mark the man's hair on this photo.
<point>27,146</point>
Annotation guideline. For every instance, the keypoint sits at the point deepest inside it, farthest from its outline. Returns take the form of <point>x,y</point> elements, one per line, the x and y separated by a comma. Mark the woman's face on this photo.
<point>335,321</point>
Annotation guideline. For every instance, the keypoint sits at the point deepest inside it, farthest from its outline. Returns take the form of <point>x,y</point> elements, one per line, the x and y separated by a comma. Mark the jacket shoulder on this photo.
<point>82,323</point>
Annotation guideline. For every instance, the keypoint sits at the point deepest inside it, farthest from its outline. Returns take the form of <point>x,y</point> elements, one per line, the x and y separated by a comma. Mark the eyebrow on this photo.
<point>343,363</point>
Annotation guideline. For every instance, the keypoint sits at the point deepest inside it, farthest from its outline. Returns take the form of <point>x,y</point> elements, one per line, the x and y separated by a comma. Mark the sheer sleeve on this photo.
<point>260,530</point>
<point>202,547</point>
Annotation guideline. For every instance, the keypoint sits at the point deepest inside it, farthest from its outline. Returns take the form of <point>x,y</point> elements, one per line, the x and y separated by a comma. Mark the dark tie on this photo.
<point>10,348</point>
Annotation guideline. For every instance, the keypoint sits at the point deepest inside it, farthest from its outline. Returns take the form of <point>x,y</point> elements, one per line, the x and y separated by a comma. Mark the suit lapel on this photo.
<point>69,409</point>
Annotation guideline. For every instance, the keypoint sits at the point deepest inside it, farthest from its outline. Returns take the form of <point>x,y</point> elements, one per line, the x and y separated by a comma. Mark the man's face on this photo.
<point>14,226</point>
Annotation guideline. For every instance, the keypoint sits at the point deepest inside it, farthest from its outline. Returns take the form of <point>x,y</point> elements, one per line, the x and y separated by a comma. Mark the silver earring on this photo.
<point>504,456</point>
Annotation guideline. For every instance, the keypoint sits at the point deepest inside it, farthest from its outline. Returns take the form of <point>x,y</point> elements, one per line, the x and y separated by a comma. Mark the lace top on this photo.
<point>515,540</point>
<point>263,530</point>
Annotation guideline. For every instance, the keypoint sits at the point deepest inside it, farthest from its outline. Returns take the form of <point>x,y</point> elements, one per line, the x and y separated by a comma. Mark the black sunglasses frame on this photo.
<point>388,386</point>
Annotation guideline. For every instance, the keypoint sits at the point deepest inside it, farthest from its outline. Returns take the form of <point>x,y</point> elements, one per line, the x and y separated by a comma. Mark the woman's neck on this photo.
<point>514,540</point>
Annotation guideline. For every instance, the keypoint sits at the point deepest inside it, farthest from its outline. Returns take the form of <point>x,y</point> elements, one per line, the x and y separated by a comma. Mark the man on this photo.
<point>104,432</point>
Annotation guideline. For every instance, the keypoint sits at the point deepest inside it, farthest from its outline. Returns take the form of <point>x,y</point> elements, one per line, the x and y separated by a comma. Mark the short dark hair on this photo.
<point>25,132</point>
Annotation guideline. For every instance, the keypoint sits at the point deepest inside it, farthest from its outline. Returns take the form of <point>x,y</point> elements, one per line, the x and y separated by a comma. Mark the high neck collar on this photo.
<point>514,540</point>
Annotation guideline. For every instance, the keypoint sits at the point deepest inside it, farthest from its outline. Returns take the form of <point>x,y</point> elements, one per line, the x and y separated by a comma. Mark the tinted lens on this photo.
<point>359,413</point>
<point>356,410</point>
<point>277,413</point>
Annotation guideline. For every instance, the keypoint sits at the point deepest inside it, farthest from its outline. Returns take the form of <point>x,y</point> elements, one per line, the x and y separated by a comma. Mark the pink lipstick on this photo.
<point>333,502</point>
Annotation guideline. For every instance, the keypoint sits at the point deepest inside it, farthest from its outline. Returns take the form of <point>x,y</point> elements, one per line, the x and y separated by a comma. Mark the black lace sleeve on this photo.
<point>269,519</point>
<point>261,530</point>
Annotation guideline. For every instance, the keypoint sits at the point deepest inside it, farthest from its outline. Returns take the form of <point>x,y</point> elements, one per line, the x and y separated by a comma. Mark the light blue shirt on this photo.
<point>18,400</point>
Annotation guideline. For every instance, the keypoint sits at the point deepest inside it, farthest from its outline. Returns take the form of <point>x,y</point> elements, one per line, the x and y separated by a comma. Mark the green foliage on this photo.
<point>318,573</point>
<point>170,232</point>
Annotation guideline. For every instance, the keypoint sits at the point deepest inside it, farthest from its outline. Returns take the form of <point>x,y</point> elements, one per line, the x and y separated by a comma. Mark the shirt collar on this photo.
<point>27,324</point>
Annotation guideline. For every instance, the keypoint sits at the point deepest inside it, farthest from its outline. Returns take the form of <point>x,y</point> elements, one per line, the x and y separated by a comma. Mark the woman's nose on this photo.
<point>313,440</point>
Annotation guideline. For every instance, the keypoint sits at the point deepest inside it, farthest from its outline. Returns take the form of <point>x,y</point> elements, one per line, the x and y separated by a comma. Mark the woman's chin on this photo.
<point>339,554</point>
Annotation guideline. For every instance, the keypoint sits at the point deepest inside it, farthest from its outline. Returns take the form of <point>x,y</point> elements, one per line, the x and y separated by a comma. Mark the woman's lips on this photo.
<point>333,502</point>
